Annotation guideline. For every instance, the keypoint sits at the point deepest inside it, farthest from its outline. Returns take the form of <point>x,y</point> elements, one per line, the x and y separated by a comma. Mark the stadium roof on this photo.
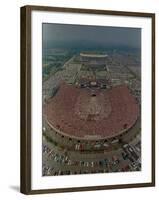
<point>93,55</point>
<point>91,114</point>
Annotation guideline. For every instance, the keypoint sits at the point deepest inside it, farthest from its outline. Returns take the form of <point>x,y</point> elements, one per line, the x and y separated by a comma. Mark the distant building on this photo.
<point>93,59</point>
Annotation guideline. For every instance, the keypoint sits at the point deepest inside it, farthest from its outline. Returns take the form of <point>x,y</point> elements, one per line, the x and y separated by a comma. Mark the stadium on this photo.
<point>90,119</point>
<point>94,115</point>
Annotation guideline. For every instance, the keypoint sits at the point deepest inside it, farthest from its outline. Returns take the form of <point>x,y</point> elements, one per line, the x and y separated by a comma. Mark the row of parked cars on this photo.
<point>132,154</point>
<point>128,160</point>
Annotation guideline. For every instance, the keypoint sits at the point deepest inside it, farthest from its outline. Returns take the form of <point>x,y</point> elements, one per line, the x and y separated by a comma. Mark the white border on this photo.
<point>39,182</point>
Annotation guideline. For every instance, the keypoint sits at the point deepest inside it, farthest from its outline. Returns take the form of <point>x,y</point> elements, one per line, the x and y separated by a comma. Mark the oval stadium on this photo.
<point>91,117</point>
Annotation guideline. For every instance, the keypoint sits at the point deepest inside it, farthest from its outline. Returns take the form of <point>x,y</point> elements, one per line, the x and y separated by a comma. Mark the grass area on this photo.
<point>49,139</point>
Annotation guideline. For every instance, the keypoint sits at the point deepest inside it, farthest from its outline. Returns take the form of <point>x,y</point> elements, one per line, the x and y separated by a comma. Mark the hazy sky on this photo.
<point>62,34</point>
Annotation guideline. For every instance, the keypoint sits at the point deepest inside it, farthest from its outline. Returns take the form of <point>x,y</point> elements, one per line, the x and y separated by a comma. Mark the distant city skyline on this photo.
<point>82,36</point>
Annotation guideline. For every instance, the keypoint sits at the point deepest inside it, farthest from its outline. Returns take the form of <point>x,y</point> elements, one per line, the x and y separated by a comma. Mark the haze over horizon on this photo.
<point>82,36</point>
